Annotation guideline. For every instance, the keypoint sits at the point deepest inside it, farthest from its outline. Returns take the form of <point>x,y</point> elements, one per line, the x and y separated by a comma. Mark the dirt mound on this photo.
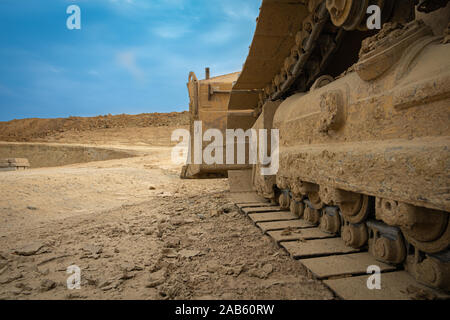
<point>26,130</point>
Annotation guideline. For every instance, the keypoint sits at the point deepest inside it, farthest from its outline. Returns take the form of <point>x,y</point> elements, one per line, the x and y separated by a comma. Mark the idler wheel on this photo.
<point>347,13</point>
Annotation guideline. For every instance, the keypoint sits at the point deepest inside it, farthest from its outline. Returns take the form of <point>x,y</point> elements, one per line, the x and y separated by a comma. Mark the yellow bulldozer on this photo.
<point>359,91</point>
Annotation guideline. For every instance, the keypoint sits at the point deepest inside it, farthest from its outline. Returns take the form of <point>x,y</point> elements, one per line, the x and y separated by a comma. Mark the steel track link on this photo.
<point>344,270</point>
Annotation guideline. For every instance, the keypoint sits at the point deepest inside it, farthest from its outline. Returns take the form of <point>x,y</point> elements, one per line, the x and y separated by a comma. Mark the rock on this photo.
<point>3,269</point>
<point>215,213</point>
<point>47,285</point>
<point>238,270</point>
<point>229,271</point>
<point>149,232</point>
<point>105,284</point>
<point>172,242</point>
<point>109,284</point>
<point>151,188</point>
<point>227,208</point>
<point>129,267</point>
<point>272,283</point>
<point>93,249</point>
<point>74,295</point>
<point>185,253</point>
<point>91,281</point>
<point>30,249</point>
<point>31,208</point>
<point>169,253</point>
<point>127,275</point>
<point>110,287</point>
<point>212,267</point>
<point>156,278</point>
<point>261,273</point>
<point>44,272</point>
<point>16,291</point>
<point>10,278</point>
<point>201,216</point>
<point>177,221</point>
<point>3,256</point>
<point>268,268</point>
<point>23,287</point>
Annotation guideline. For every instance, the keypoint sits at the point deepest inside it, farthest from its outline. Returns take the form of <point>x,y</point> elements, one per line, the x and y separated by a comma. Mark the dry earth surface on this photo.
<point>133,227</point>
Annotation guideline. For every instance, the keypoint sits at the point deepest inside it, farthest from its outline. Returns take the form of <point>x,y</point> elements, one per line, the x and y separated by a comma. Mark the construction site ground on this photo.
<point>133,227</point>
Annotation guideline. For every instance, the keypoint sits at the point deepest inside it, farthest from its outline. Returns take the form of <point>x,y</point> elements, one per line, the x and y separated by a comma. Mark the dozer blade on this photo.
<point>208,104</point>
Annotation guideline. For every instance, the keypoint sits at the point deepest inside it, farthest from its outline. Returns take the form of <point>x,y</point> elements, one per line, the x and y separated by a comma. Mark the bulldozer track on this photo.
<point>344,270</point>
<point>341,103</point>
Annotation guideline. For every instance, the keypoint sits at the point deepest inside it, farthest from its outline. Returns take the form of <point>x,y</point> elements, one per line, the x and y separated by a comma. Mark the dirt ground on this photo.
<point>135,230</point>
<point>42,130</point>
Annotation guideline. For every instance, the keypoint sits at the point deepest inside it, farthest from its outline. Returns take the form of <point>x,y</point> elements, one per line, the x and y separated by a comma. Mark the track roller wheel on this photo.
<point>354,235</point>
<point>431,270</point>
<point>311,215</point>
<point>330,221</point>
<point>386,243</point>
<point>297,208</point>
<point>284,200</point>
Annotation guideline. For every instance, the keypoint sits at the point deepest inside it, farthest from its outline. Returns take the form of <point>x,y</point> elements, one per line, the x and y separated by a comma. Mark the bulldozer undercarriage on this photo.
<point>335,225</point>
<point>340,252</point>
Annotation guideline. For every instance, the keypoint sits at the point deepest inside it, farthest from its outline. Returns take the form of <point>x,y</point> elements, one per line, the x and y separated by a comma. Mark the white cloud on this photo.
<point>222,34</point>
<point>171,31</point>
<point>127,60</point>
<point>242,11</point>
<point>94,73</point>
<point>55,69</point>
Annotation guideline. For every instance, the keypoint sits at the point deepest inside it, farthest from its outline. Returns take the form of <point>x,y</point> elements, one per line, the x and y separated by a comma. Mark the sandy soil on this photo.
<point>136,231</point>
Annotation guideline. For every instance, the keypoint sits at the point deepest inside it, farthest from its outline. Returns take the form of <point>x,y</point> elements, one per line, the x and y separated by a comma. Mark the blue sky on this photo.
<point>130,56</point>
